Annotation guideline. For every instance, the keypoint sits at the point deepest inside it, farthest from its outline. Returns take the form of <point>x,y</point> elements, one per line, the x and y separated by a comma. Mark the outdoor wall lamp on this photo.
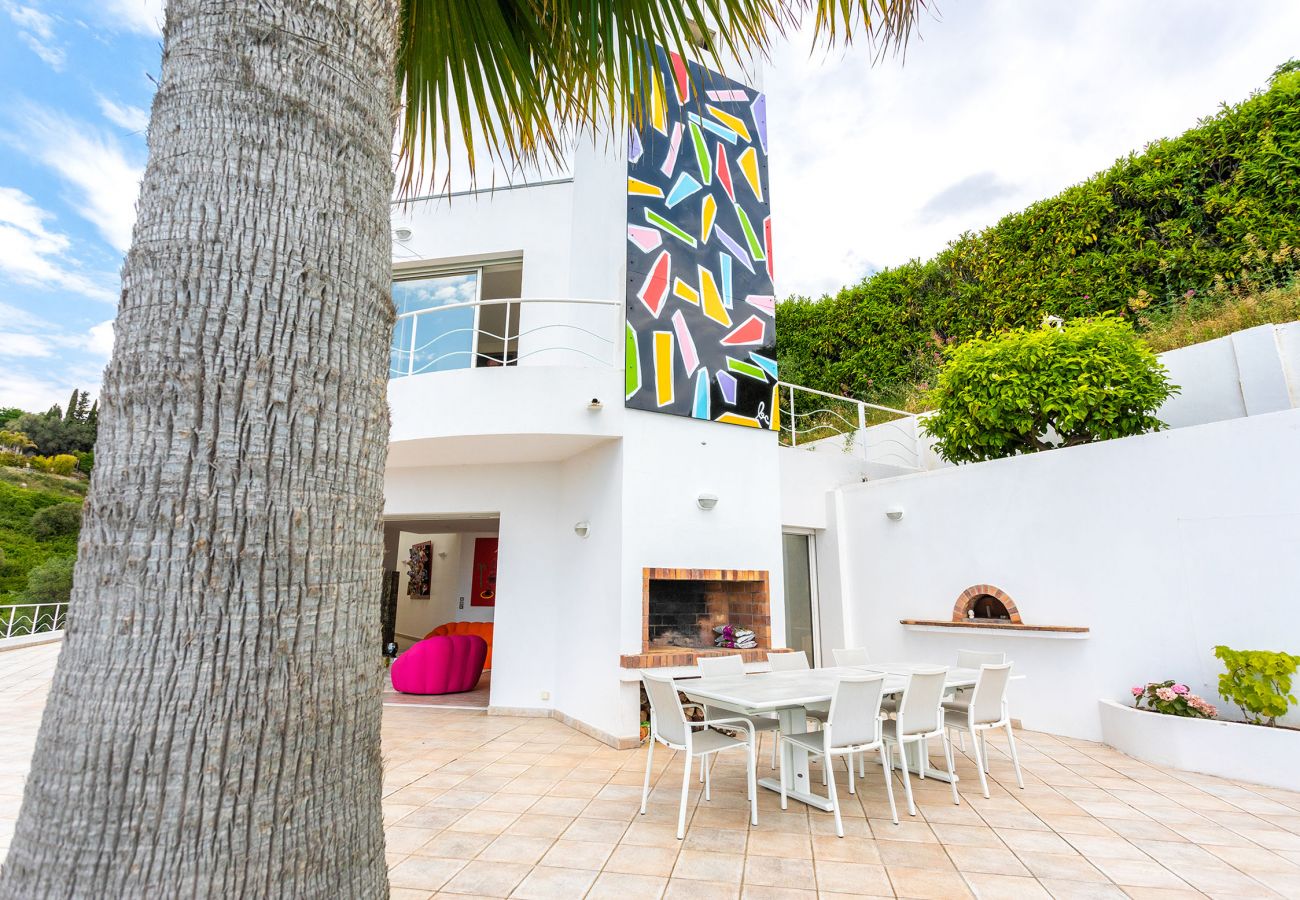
<point>582,529</point>
<point>402,234</point>
<point>706,501</point>
<point>894,513</point>
<point>595,404</point>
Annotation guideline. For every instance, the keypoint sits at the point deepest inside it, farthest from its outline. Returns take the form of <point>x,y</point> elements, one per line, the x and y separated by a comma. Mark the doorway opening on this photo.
<point>799,557</point>
<point>440,579</point>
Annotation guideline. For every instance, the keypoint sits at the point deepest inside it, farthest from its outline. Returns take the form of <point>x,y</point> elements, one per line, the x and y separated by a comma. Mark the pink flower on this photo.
<point>1137,690</point>
<point>1180,689</point>
<point>1166,694</point>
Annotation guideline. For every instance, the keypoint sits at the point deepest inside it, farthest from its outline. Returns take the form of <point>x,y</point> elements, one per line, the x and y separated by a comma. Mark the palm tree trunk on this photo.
<point>213,727</point>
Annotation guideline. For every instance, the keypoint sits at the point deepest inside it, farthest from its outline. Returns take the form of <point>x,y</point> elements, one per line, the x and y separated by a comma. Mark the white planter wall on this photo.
<point>1233,750</point>
<point>1164,545</point>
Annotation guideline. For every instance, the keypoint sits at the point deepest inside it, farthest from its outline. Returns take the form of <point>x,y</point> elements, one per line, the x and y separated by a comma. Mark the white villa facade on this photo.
<point>516,431</point>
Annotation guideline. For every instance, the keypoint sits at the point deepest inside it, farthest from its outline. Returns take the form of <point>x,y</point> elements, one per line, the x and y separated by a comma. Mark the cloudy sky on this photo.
<point>997,103</point>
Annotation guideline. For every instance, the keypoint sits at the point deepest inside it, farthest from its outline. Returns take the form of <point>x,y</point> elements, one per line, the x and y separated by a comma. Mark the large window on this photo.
<point>456,320</point>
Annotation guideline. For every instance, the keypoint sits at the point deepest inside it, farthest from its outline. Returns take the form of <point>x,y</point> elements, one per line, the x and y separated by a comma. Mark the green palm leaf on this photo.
<point>517,76</point>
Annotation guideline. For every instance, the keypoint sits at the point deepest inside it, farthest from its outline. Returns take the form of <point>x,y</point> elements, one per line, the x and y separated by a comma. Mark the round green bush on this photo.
<point>51,581</point>
<point>52,521</point>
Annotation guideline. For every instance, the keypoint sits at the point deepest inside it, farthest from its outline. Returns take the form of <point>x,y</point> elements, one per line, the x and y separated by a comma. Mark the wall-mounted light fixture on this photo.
<point>402,234</point>
<point>894,513</point>
<point>706,501</point>
<point>595,404</point>
<point>582,529</point>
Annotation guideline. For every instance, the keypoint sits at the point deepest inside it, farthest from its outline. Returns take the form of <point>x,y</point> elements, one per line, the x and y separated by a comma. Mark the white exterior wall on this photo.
<point>1164,545</point>
<point>668,462</point>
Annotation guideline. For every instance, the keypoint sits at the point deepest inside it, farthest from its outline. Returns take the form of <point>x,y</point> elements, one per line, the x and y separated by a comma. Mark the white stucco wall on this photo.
<point>668,462</point>
<point>1164,545</point>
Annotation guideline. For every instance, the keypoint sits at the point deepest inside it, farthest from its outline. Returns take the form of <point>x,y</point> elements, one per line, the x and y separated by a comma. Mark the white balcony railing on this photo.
<point>880,434</point>
<point>26,619</point>
<point>507,332</point>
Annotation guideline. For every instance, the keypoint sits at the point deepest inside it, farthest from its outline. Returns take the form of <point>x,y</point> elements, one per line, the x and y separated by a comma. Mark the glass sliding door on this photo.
<point>800,612</point>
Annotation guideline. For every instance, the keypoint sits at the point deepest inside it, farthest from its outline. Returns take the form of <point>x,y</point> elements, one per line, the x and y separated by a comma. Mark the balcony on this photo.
<point>503,379</point>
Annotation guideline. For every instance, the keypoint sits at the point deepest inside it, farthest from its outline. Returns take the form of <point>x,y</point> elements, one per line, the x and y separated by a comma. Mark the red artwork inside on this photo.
<point>483,587</point>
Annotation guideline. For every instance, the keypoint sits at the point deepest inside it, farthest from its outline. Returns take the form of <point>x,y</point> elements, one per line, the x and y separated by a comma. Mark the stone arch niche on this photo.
<point>987,603</point>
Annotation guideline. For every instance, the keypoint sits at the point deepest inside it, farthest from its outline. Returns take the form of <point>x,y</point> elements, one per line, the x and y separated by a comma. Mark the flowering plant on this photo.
<point>1172,698</point>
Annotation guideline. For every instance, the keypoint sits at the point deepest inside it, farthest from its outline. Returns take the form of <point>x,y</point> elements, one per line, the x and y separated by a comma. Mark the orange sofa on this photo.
<point>482,629</point>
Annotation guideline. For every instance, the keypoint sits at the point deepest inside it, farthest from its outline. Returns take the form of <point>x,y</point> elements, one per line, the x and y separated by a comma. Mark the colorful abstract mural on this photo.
<point>701,337</point>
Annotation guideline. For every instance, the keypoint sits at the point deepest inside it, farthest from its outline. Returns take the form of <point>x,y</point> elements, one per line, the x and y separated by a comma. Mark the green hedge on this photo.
<point>1220,201</point>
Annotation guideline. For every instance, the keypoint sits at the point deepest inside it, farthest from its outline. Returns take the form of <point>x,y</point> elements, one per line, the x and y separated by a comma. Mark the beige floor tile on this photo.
<point>1138,873</point>
<point>986,861</point>
<point>1062,889</point>
<point>1006,887</point>
<point>490,879</point>
<point>630,859</point>
<point>770,892</point>
<point>1100,846</point>
<point>578,854</point>
<point>555,884</point>
<point>921,856</point>
<point>777,871</point>
<point>717,840</point>
<point>403,840</point>
<point>686,889</point>
<point>516,848</point>
<point>703,865</point>
<point>651,834</point>
<point>399,893</point>
<point>619,886</point>
<point>1066,866</point>
<point>424,872</point>
<point>594,830</point>
<point>484,821</point>
<point>914,830</point>
<point>845,849</point>
<point>780,843</point>
<point>533,825</point>
<point>852,878</point>
<point>967,835</point>
<point>1035,841</point>
<point>455,845</point>
<point>927,884</point>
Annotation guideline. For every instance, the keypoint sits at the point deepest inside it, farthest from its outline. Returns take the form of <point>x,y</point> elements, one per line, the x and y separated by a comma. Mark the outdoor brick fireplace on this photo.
<point>681,607</point>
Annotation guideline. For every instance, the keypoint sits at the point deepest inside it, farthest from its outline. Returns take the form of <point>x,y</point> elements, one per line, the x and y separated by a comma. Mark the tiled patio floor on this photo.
<point>496,806</point>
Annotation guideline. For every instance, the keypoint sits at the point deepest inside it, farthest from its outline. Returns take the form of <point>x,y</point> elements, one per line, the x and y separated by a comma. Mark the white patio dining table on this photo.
<point>789,694</point>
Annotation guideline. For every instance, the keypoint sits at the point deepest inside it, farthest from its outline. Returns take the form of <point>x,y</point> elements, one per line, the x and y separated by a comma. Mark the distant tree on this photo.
<point>51,581</point>
<point>8,414</point>
<point>55,520</point>
<point>1035,389</point>
<point>62,431</point>
<point>15,441</point>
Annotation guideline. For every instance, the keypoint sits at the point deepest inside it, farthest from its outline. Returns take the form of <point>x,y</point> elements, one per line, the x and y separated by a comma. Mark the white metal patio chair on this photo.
<point>970,659</point>
<point>851,656</point>
<point>919,719</point>
<point>734,664</point>
<point>986,711</point>
<point>788,662</point>
<point>858,656</point>
<point>669,726</point>
<point>796,662</point>
<point>852,727</point>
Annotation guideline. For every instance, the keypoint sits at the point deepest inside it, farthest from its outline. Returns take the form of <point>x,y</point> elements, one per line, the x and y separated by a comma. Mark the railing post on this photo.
<point>794,426</point>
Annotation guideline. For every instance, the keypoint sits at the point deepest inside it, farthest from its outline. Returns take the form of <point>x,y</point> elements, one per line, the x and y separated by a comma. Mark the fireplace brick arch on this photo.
<point>973,593</point>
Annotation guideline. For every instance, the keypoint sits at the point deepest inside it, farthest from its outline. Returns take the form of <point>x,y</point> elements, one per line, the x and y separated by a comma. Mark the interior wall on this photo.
<point>463,609</point>
<point>415,617</point>
<point>1164,545</point>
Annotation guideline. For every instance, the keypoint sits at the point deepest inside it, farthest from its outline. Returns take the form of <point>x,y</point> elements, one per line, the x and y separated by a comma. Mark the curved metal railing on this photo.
<point>460,346</point>
<point>879,433</point>
<point>23,619</point>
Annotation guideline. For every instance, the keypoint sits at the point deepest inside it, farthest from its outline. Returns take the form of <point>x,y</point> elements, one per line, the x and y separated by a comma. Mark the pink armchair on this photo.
<point>447,664</point>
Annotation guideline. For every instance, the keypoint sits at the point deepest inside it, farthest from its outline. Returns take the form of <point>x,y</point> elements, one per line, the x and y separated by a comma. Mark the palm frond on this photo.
<point>518,75</point>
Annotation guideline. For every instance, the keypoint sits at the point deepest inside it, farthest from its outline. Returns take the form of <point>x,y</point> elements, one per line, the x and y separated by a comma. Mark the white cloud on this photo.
<point>24,346</point>
<point>100,339</point>
<point>36,30</point>
<point>140,16</point>
<point>43,362</point>
<point>93,162</point>
<point>32,254</point>
<point>1003,103</point>
<point>132,118</point>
